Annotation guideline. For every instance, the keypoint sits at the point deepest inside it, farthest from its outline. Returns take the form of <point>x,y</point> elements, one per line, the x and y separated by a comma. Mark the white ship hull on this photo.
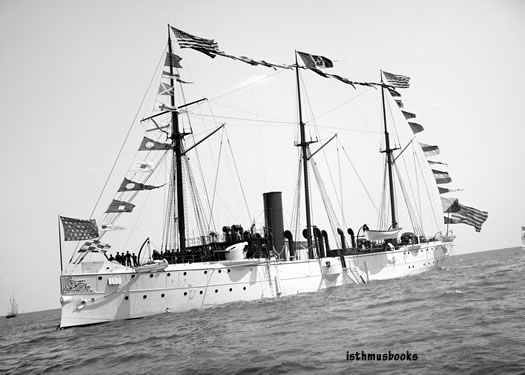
<point>96,292</point>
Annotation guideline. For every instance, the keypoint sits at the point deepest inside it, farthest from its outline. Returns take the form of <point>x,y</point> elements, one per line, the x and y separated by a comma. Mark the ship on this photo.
<point>523,236</point>
<point>13,308</point>
<point>246,262</point>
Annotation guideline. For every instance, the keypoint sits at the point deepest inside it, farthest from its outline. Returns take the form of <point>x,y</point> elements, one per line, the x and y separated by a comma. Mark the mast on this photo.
<point>304,147</point>
<point>389,159</point>
<point>176,139</point>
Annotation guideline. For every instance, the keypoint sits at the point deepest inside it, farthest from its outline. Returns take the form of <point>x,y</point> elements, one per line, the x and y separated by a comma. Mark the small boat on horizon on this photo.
<point>13,308</point>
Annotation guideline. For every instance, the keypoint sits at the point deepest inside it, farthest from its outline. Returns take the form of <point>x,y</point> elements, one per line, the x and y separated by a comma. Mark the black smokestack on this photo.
<point>273,217</point>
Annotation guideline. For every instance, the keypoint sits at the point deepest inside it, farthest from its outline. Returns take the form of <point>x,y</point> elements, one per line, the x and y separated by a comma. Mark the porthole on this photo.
<point>132,276</point>
<point>100,277</point>
<point>185,273</point>
<point>216,290</point>
<point>144,296</point>
<point>126,298</point>
<point>231,289</point>
<point>229,270</point>
<point>150,275</point>
<point>185,293</point>
<point>201,292</point>
<point>219,271</point>
<point>205,272</point>
<point>162,295</point>
<point>169,274</point>
<point>243,288</point>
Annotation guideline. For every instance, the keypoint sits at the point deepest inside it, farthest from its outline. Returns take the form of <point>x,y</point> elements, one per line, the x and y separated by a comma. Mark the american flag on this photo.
<point>191,41</point>
<point>94,246</point>
<point>468,215</point>
<point>77,229</point>
<point>397,80</point>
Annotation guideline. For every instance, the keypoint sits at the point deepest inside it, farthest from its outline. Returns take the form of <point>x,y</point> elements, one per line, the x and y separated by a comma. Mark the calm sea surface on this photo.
<point>468,317</point>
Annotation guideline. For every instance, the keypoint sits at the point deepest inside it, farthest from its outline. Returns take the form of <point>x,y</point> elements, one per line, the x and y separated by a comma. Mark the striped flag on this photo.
<point>468,215</point>
<point>397,80</point>
<point>399,103</point>
<point>429,150</point>
<point>186,40</point>
<point>441,177</point>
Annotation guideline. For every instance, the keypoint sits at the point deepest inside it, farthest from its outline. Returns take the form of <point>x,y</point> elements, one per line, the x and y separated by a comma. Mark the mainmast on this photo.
<point>389,159</point>
<point>176,139</point>
<point>304,147</point>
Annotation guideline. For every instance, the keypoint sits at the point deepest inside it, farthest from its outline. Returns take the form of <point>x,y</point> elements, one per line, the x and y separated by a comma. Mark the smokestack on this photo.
<point>273,218</point>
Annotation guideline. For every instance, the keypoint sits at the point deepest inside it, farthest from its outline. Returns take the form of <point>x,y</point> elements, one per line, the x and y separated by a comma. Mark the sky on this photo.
<point>74,74</point>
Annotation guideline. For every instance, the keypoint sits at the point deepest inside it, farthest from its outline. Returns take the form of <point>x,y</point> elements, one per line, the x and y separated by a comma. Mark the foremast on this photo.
<point>304,155</point>
<point>389,159</point>
<point>176,140</point>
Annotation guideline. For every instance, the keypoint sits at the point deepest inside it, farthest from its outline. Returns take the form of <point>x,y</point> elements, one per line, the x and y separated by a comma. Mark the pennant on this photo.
<point>436,162</point>
<point>315,61</point>
<point>399,103</point>
<point>394,93</point>
<point>77,229</point>
<point>149,144</point>
<point>344,80</point>
<point>109,227</point>
<point>429,150</point>
<point>142,166</point>
<point>468,215</point>
<point>174,76</point>
<point>450,205</point>
<point>322,74</point>
<point>207,46</point>
<point>165,89</point>
<point>416,128</point>
<point>397,80</point>
<point>119,206</point>
<point>441,177</point>
<point>173,60</point>
<point>409,115</point>
<point>443,190</point>
<point>94,246</point>
<point>128,185</point>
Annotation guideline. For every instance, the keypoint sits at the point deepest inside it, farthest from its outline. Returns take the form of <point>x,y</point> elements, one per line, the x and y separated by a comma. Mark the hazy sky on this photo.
<point>73,74</point>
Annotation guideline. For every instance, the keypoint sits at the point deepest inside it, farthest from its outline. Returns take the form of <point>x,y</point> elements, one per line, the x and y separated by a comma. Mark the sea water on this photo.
<point>467,317</point>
